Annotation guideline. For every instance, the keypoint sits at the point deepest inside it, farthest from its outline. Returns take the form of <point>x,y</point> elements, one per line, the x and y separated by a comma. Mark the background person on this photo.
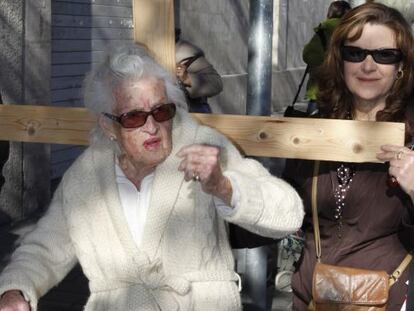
<point>314,51</point>
<point>144,208</point>
<point>365,222</point>
<point>198,78</point>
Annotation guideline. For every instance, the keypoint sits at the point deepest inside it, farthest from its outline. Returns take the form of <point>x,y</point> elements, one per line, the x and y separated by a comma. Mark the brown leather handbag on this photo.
<point>336,288</point>
<point>342,288</point>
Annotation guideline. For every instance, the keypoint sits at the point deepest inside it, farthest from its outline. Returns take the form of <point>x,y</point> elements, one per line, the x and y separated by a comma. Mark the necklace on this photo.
<point>345,174</point>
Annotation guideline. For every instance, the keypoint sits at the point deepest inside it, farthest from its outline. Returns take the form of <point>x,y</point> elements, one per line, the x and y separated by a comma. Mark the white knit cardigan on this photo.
<point>185,261</point>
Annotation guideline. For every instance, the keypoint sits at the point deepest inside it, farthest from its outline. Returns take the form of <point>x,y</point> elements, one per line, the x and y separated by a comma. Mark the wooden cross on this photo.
<point>313,139</point>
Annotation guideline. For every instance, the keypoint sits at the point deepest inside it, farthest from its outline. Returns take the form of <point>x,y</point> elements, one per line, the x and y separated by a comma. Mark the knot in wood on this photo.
<point>31,131</point>
<point>296,141</point>
<point>357,148</point>
<point>263,135</point>
<point>31,127</point>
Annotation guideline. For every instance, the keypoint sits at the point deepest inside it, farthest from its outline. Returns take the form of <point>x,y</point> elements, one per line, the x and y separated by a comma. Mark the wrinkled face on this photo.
<point>367,80</point>
<point>150,144</point>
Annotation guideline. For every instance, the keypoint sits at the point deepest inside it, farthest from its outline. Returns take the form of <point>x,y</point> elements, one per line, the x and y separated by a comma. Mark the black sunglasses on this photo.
<point>381,56</point>
<point>137,118</point>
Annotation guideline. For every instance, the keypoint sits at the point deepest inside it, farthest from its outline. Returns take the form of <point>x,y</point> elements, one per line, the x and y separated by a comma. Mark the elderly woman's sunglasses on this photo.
<point>381,56</point>
<point>137,118</point>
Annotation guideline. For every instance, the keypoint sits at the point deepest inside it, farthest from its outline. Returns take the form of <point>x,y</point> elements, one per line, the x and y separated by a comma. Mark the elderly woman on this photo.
<point>144,208</point>
<point>366,219</point>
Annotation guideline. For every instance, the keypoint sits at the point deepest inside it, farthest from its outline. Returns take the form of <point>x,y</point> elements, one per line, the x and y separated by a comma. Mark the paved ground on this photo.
<point>281,301</point>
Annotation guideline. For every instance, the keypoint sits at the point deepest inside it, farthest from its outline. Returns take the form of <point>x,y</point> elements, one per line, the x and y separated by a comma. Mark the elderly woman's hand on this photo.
<point>401,161</point>
<point>13,300</point>
<point>202,163</point>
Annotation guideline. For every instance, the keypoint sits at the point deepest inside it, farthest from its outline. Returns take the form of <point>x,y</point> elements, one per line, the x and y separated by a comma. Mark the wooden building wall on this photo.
<point>81,31</point>
<point>25,79</point>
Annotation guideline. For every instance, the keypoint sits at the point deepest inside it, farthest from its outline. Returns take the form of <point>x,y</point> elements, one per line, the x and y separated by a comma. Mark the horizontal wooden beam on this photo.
<point>307,138</point>
<point>45,124</point>
<point>313,139</point>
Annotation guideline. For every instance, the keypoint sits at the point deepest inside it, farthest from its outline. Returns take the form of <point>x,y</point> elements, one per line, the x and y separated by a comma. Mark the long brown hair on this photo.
<point>334,98</point>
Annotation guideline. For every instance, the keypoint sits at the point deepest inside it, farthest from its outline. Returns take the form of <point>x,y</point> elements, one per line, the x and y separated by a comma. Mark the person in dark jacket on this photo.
<point>314,51</point>
<point>365,210</point>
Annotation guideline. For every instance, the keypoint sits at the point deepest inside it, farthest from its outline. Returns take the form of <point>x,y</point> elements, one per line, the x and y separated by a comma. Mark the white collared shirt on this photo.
<point>135,204</point>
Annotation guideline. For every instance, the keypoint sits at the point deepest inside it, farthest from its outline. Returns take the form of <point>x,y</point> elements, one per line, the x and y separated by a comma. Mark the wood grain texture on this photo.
<point>45,124</point>
<point>313,139</point>
<point>154,27</point>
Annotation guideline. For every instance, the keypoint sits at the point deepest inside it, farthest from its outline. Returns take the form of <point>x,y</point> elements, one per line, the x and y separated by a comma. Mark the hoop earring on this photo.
<point>400,74</point>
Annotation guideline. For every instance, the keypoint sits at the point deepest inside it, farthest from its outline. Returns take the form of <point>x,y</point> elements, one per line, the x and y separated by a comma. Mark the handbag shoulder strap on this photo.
<point>315,220</point>
<point>400,269</point>
<point>300,86</point>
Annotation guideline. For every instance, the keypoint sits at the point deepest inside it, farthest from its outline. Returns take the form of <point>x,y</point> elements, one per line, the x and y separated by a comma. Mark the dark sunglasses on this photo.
<point>381,56</point>
<point>137,118</point>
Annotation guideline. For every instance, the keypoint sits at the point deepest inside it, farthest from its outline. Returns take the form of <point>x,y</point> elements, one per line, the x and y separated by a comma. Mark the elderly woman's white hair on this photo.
<point>126,62</point>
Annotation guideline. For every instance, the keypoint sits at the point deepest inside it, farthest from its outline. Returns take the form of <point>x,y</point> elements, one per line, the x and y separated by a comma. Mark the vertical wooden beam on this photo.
<point>154,27</point>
